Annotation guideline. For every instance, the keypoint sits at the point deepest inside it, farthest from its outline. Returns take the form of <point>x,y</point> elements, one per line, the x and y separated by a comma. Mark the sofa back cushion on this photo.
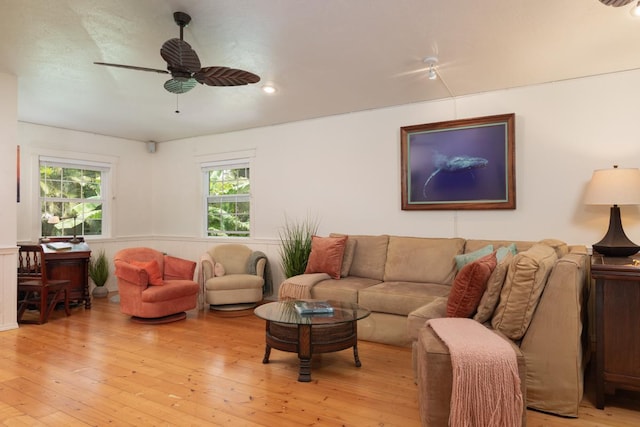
<point>475,244</point>
<point>369,255</point>
<point>522,288</point>
<point>422,259</point>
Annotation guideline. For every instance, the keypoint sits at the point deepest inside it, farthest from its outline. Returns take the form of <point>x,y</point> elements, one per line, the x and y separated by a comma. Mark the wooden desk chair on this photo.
<point>34,289</point>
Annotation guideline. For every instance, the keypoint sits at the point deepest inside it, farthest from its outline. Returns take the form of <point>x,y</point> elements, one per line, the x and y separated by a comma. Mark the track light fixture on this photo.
<point>431,61</point>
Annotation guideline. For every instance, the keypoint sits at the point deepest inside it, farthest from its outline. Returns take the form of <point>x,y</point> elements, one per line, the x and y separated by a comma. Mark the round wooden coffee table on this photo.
<point>286,330</point>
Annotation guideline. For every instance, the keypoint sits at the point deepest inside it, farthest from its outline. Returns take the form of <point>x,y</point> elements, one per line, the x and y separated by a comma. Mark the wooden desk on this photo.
<point>72,264</point>
<point>617,325</point>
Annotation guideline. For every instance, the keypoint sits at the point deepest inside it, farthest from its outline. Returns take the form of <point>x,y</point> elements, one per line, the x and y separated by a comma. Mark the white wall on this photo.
<point>130,195</point>
<point>345,170</point>
<point>8,249</point>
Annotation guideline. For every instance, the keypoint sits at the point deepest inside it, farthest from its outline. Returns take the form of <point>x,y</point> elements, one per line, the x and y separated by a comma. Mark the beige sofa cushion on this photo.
<point>369,256</point>
<point>422,259</point>
<point>400,297</point>
<point>559,246</point>
<point>491,295</point>
<point>521,292</point>
<point>347,259</point>
<point>345,289</point>
<point>475,244</point>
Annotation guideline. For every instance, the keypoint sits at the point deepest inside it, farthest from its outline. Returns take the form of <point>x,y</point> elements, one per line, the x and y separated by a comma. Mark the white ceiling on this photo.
<point>325,56</point>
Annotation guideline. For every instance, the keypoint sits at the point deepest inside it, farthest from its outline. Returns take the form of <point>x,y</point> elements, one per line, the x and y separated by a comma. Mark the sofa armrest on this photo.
<point>554,344</point>
<point>178,268</point>
<point>418,317</point>
<point>299,287</point>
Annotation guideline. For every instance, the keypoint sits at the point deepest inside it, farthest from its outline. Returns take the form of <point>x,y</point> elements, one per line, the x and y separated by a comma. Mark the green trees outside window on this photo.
<point>228,202</point>
<point>75,196</point>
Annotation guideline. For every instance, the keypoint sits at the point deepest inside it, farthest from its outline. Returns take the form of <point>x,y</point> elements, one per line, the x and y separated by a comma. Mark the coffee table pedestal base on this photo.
<point>308,339</point>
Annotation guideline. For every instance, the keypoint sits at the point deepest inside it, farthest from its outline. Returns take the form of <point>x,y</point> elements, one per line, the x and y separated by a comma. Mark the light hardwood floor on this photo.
<point>96,367</point>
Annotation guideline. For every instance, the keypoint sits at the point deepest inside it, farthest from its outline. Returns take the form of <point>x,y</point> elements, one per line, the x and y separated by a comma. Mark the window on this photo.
<point>72,197</point>
<point>228,199</point>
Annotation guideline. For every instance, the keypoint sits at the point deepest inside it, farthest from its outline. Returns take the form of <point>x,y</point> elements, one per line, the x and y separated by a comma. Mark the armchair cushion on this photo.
<point>153,271</point>
<point>234,281</point>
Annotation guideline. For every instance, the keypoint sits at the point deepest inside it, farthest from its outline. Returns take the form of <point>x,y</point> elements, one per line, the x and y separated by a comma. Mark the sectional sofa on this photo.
<point>539,303</point>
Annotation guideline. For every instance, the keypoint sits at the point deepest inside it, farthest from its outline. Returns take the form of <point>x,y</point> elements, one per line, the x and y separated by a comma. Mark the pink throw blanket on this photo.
<point>486,386</point>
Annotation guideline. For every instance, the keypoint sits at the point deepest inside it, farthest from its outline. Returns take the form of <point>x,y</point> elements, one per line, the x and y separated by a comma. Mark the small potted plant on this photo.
<point>99,273</point>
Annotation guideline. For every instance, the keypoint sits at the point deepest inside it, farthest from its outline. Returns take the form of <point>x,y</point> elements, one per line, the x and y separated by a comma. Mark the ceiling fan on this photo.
<point>184,65</point>
<point>616,3</point>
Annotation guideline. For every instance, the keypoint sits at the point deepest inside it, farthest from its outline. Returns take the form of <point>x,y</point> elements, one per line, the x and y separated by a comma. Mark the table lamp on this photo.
<point>614,187</point>
<point>53,220</point>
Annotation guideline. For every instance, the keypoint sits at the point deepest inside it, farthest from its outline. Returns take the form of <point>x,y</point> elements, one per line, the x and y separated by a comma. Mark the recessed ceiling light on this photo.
<point>269,89</point>
<point>635,10</point>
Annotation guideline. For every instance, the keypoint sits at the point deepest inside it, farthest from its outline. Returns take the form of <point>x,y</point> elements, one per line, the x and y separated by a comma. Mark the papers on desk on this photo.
<point>59,246</point>
<point>313,307</point>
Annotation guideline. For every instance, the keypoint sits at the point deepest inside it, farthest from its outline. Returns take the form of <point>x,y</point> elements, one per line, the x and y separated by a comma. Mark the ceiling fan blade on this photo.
<point>225,76</point>
<point>616,3</point>
<point>180,56</point>
<point>132,67</point>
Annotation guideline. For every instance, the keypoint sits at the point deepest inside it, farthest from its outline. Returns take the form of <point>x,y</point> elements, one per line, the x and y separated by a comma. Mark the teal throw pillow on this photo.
<point>504,250</point>
<point>463,259</point>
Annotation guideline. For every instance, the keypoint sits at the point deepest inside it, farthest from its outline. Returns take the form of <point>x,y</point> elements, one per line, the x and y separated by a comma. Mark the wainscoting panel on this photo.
<point>8,288</point>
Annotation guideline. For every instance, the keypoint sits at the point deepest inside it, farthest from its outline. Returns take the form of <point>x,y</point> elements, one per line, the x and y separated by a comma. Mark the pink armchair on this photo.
<point>155,287</point>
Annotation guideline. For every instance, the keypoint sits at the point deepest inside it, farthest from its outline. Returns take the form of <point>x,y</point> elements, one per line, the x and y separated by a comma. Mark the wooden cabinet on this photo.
<point>617,325</point>
<point>71,264</point>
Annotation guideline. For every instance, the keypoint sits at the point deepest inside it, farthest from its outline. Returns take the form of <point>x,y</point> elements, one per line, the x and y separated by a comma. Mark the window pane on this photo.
<point>228,203</point>
<point>73,195</point>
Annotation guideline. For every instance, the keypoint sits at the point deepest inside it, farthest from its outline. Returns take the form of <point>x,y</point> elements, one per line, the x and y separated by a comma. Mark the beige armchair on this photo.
<point>234,277</point>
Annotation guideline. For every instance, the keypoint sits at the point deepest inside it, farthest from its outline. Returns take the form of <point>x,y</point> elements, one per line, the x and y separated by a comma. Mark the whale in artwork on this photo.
<point>454,164</point>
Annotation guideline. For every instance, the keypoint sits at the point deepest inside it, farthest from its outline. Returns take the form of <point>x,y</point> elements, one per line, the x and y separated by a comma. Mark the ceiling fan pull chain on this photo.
<point>177,108</point>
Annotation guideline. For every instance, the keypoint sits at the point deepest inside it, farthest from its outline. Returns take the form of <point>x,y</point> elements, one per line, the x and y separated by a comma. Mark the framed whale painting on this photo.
<point>459,164</point>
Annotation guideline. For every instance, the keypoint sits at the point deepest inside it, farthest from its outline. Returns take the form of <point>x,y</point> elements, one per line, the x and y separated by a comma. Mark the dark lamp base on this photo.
<point>615,243</point>
<point>616,251</point>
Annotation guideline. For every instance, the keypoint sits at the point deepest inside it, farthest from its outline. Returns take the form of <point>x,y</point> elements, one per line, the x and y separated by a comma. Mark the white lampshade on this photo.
<point>614,187</point>
<point>54,219</point>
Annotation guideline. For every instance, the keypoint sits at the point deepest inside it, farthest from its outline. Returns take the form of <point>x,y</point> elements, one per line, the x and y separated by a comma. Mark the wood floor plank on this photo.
<point>96,367</point>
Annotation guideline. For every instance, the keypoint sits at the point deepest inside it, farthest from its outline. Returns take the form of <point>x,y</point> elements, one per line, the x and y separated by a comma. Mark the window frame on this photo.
<point>234,163</point>
<point>106,169</point>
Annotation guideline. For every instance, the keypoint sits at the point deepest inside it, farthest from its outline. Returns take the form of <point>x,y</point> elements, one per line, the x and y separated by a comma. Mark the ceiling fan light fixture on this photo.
<point>180,85</point>
<point>431,61</point>
<point>270,89</point>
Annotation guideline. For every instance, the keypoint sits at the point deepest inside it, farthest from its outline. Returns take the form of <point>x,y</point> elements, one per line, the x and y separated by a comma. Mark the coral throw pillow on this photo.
<point>326,255</point>
<point>153,271</point>
<point>469,286</point>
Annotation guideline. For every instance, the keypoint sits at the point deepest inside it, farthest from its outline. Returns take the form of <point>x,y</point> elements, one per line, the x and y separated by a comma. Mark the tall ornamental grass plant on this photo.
<point>295,245</point>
